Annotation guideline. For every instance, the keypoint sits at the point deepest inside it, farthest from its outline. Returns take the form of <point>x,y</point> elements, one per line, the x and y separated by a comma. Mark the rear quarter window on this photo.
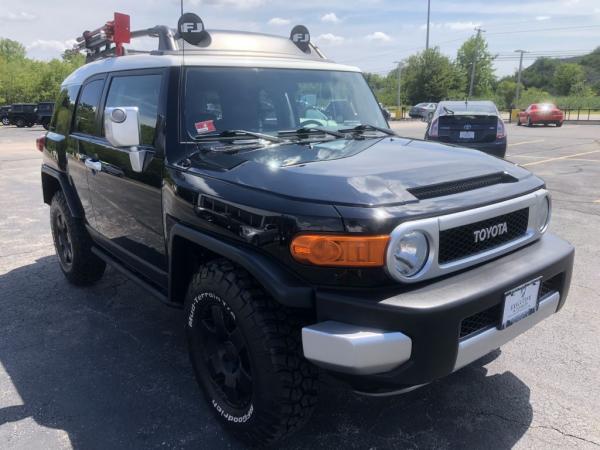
<point>86,112</point>
<point>63,112</point>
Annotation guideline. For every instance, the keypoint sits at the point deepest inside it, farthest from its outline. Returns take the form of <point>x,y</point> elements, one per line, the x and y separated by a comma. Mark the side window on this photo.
<point>63,112</point>
<point>142,91</point>
<point>87,108</point>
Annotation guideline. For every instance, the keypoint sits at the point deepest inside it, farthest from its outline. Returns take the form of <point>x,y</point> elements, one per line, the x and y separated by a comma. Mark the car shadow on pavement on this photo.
<point>109,367</point>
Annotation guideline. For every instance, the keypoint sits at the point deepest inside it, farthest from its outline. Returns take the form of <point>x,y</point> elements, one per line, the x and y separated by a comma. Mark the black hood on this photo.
<point>369,172</point>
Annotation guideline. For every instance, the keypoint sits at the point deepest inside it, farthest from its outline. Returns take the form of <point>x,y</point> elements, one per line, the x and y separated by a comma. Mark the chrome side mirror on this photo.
<point>122,126</point>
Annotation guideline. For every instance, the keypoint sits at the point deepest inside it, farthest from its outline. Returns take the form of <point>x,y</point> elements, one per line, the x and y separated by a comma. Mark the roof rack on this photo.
<point>108,40</point>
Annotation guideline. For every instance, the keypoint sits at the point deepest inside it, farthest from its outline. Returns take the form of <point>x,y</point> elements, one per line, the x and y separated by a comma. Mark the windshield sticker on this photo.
<point>206,126</point>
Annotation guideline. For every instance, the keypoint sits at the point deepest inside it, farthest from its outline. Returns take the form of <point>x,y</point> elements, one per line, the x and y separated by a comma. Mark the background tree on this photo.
<point>430,76</point>
<point>566,76</point>
<point>476,49</point>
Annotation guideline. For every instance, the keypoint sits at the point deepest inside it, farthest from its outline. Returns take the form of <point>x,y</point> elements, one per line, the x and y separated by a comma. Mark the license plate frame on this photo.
<point>520,302</point>
<point>466,135</point>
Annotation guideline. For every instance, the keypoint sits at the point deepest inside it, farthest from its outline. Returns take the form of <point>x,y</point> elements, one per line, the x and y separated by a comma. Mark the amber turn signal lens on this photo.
<point>339,250</point>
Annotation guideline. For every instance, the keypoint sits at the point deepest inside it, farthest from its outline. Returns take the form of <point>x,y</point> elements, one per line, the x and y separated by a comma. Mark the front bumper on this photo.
<point>386,341</point>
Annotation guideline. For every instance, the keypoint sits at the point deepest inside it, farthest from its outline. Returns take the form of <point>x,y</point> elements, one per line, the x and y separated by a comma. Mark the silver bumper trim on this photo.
<point>481,344</point>
<point>353,349</point>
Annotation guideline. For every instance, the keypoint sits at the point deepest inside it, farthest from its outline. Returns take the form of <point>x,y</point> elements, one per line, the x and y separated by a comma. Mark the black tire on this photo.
<point>559,124</point>
<point>246,351</point>
<point>30,124</point>
<point>20,123</point>
<point>73,245</point>
<point>5,121</point>
<point>46,126</point>
<point>518,121</point>
<point>529,122</point>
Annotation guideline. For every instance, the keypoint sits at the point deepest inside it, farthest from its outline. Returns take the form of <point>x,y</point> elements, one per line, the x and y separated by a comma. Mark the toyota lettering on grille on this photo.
<point>490,232</point>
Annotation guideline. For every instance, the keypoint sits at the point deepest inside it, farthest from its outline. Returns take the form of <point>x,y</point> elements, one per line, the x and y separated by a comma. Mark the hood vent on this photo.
<point>456,187</point>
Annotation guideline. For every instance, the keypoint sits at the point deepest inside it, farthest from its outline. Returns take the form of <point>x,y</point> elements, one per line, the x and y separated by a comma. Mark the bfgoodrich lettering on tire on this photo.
<point>247,354</point>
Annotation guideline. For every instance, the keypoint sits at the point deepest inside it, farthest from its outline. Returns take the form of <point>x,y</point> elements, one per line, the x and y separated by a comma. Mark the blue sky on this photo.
<point>371,34</point>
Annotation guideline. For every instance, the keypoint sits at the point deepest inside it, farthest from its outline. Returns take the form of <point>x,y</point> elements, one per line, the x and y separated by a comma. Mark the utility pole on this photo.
<point>519,76</point>
<point>479,30</point>
<point>398,99</point>
<point>427,38</point>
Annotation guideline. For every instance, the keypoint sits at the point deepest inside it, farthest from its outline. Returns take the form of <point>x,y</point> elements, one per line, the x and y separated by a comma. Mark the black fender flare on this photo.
<point>67,189</point>
<point>282,285</point>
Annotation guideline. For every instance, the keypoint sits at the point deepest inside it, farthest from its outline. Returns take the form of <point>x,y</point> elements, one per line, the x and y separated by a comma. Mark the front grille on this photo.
<point>456,187</point>
<point>460,242</point>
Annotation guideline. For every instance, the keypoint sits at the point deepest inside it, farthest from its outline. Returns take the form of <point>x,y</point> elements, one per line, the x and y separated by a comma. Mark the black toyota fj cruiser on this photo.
<point>295,245</point>
<point>22,114</point>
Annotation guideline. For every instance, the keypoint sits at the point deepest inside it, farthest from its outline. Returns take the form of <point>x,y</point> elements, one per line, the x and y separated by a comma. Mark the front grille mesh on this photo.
<point>491,317</point>
<point>457,243</point>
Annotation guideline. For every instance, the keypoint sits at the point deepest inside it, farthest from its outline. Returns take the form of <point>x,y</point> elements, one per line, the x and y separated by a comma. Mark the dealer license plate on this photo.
<point>467,135</point>
<point>520,302</point>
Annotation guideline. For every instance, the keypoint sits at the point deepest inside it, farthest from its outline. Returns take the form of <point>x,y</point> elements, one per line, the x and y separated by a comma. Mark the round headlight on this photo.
<point>407,254</point>
<point>544,214</point>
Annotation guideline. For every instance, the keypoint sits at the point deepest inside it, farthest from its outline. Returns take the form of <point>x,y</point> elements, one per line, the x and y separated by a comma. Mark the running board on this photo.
<point>108,259</point>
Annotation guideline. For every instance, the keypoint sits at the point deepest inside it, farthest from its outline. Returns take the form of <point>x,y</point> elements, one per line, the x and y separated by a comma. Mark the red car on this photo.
<point>544,113</point>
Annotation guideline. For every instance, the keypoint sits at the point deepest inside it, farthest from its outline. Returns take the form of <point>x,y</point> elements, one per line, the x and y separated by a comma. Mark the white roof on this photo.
<point>227,49</point>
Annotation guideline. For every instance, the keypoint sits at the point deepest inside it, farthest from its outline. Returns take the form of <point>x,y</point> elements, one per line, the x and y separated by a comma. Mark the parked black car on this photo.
<point>23,114</point>
<point>4,115</point>
<point>44,113</point>
<point>473,124</point>
<point>422,110</point>
<point>293,248</point>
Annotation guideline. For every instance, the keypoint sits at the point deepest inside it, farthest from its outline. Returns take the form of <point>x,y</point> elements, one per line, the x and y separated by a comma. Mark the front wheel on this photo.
<point>529,122</point>
<point>559,124</point>
<point>246,352</point>
<point>519,122</point>
<point>73,245</point>
<point>20,123</point>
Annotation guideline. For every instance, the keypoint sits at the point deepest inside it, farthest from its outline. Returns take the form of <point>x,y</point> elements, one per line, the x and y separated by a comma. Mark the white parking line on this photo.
<point>526,142</point>
<point>560,157</point>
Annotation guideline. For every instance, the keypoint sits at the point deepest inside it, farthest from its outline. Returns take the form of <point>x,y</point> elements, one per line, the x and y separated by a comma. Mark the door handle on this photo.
<point>94,165</point>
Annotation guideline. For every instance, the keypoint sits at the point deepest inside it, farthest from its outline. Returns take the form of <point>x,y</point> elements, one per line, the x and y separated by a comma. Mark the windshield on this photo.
<point>273,100</point>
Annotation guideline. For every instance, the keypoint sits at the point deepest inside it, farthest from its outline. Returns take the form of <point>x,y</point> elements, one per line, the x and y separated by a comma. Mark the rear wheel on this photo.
<point>73,245</point>
<point>5,121</point>
<point>20,123</point>
<point>559,124</point>
<point>246,352</point>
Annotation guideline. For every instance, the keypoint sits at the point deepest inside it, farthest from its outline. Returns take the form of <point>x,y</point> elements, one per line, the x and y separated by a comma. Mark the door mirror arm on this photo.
<point>140,158</point>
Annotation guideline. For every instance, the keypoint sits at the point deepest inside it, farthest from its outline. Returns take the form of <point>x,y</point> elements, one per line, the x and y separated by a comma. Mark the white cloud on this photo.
<point>330,17</point>
<point>457,26</point>
<point>278,21</point>
<point>238,4</point>
<point>21,16</point>
<point>41,45</point>
<point>541,18</point>
<point>378,36</point>
<point>330,39</point>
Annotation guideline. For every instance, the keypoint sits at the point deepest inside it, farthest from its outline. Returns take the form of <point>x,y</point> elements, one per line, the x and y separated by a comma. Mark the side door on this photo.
<point>85,132</point>
<point>128,203</point>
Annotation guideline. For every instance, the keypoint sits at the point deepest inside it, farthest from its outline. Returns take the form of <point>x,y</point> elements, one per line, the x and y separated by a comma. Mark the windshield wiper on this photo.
<point>311,131</point>
<point>448,111</point>
<point>232,135</point>
<point>368,127</point>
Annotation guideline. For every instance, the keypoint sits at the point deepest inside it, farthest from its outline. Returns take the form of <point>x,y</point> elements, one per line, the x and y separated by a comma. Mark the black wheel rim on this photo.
<point>64,246</point>
<point>225,354</point>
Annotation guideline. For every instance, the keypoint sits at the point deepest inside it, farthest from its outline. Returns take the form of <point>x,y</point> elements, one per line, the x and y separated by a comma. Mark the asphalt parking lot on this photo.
<point>106,367</point>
